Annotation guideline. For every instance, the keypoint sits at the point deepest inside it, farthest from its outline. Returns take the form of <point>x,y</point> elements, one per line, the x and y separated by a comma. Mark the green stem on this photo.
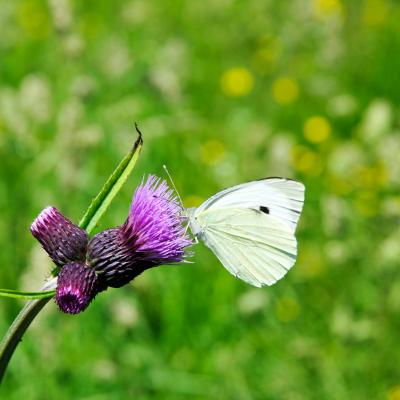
<point>20,325</point>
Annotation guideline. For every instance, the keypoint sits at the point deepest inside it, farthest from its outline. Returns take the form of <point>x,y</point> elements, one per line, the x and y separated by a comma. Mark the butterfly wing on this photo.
<point>250,228</point>
<point>281,198</point>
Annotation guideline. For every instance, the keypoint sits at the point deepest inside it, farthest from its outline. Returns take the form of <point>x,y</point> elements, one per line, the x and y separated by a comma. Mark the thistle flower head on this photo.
<point>154,223</point>
<point>77,286</point>
<point>62,240</point>
<point>152,235</point>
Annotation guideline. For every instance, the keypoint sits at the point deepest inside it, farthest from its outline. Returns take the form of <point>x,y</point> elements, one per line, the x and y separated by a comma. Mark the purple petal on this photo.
<point>154,223</point>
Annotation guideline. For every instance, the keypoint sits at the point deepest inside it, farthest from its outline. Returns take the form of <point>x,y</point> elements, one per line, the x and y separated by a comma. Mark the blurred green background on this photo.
<point>224,91</point>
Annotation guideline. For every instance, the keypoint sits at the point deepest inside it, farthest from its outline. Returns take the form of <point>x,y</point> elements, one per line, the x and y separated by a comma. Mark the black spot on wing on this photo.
<point>264,209</point>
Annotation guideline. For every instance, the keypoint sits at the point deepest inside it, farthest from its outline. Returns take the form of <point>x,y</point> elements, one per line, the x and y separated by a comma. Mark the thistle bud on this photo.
<point>77,286</point>
<point>63,241</point>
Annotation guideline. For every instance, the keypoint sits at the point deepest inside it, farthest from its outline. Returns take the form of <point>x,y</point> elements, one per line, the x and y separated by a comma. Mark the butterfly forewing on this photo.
<point>278,197</point>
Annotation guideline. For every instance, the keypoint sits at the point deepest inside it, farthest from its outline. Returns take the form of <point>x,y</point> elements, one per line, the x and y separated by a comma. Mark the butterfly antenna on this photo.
<point>180,200</point>
<point>173,185</point>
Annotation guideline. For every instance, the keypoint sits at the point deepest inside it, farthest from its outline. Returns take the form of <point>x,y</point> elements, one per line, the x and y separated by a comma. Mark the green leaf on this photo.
<point>114,183</point>
<point>16,294</point>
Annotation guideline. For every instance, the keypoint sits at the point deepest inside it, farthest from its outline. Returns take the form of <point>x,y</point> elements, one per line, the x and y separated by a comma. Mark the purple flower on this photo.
<point>62,240</point>
<point>152,235</point>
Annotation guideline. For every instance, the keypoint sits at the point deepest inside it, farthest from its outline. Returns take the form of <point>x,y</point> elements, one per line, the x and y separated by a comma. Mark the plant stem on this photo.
<point>20,325</point>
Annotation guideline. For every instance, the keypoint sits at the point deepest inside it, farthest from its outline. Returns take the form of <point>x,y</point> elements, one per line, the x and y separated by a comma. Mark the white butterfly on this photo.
<point>250,228</point>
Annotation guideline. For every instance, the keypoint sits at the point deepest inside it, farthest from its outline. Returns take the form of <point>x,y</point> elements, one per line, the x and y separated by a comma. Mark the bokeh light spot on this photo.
<point>266,56</point>
<point>367,203</point>
<point>375,13</point>
<point>285,90</point>
<point>310,262</point>
<point>339,186</point>
<point>212,152</point>
<point>317,129</point>
<point>236,82</point>
<point>306,160</point>
<point>33,19</point>
<point>287,309</point>
<point>324,8</point>
<point>373,177</point>
<point>394,393</point>
<point>192,201</point>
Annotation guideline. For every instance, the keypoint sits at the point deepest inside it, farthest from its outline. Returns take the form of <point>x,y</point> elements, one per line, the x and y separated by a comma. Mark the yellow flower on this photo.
<point>287,309</point>
<point>285,90</point>
<point>325,8</point>
<point>317,129</point>
<point>394,393</point>
<point>375,12</point>
<point>33,19</point>
<point>237,82</point>
<point>306,161</point>
<point>371,177</point>
<point>212,152</point>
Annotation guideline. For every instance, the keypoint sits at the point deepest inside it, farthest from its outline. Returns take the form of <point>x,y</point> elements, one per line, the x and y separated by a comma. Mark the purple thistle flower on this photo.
<point>155,223</point>
<point>152,235</point>
<point>62,240</point>
<point>77,286</point>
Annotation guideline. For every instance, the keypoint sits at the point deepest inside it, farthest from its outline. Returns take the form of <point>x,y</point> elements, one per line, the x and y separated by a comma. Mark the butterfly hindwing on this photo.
<point>250,244</point>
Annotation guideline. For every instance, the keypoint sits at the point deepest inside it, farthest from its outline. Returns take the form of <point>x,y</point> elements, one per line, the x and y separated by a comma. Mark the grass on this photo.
<point>224,92</point>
